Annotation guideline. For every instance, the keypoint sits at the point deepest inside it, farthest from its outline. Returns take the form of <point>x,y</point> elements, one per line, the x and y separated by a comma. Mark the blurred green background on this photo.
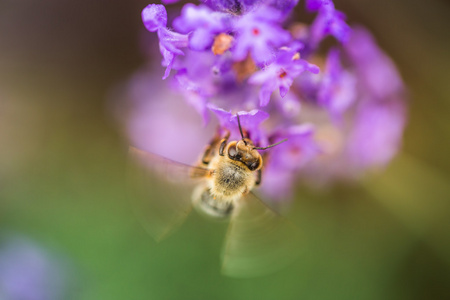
<point>62,167</point>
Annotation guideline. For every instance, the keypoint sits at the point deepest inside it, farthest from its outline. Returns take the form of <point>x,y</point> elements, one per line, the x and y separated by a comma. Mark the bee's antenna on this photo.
<point>240,129</point>
<point>270,146</point>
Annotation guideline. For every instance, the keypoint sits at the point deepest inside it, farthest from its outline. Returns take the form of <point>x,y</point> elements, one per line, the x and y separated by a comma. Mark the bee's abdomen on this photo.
<point>212,206</point>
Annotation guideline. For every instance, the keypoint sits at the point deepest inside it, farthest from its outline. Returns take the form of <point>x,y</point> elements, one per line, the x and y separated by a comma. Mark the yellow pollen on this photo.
<point>222,43</point>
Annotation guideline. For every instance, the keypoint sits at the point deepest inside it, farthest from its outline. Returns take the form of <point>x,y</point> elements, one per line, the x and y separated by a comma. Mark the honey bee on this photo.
<point>259,241</point>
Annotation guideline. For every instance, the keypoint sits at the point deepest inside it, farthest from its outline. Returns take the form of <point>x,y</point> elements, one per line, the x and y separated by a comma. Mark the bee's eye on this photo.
<point>253,166</point>
<point>232,152</point>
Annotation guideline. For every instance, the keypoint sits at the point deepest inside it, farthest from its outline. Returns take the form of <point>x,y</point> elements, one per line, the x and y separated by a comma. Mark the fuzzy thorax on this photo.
<point>230,179</point>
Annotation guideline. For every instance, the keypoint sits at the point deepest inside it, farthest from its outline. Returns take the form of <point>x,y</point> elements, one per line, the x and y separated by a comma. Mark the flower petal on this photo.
<point>154,17</point>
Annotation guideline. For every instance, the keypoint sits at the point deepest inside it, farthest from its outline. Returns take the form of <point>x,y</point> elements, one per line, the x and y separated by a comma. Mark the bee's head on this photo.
<point>245,151</point>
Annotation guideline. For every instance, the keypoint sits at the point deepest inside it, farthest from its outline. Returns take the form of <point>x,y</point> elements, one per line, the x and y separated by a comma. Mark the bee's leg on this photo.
<point>258,177</point>
<point>259,172</point>
<point>210,149</point>
<point>223,143</point>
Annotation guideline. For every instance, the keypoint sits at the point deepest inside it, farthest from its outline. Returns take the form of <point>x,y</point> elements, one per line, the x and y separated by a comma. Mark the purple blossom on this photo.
<point>289,105</point>
<point>202,23</point>
<point>338,86</point>
<point>377,134</point>
<point>259,33</point>
<point>152,103</point>
<point>283,6</point>
<point>201,77</point>
<point>232,6</point>
<point>28,272</point>
<point>374,120</point>
<point>288,158</point>
<point>374,68</point>
<point>314,5</point>
<point>194,94</point>
<point>250,121</point>
<point>154,17</point>
<point>300,147</point>
<point>281,74</point>
<point>231,55</point>
<point>329,21</point>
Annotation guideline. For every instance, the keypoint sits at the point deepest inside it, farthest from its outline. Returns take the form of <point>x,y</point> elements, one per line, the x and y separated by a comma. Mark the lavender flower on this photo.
<point>377,134</point>
<point>150,104</point>
<point>154,17</point>
<point>231,6</point>
<point>281,74</point>
<point>343,110</point>
<point>288,158</point>
<point>259,34</point>
<point>338,86</point>
<point>202,23</point>
<point>28,272</point>
<point>249,120</point>
<point>329,21</point>
<point>377,72</point>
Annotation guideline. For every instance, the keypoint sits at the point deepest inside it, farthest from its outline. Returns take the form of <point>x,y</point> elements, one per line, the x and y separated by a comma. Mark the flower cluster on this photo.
<point>342,108</point>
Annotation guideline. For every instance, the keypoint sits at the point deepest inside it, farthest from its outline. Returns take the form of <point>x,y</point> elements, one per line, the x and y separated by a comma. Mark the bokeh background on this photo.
<point>63,160</point>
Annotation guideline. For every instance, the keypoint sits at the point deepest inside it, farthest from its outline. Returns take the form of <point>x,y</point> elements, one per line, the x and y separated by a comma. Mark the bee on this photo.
<point>259,240</point>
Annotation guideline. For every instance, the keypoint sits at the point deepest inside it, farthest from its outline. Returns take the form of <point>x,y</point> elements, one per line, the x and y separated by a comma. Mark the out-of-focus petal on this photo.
<point>154,17</point>
<point>375,69</point>
<point>377,135</point>
<point>250,121</point>
<point>201,40</point>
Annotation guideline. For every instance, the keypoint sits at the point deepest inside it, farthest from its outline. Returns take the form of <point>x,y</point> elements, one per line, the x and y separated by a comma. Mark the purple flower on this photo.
<point>374,68</point>
<point>202,23</point>
<point>288,158</point>
<point>380,117</point>
<point>245,6</point>
<point>289,105</point>
<point>154,103</point>
<point>314,5</point>
<point>338,87</point>
<point>329,21</point>
<point>193,94</point>
<point>232,6</point>
<point>250,121</point>
<point>259,33</point>
<point>232,55</point>
<point>154,17</point>
<point>28,272</point>
<point>377,134</point>
<point>283,6</point>
<point>281,74</point>
<point>374,120</point>
<point>204,77</point>
<point>299,149</point>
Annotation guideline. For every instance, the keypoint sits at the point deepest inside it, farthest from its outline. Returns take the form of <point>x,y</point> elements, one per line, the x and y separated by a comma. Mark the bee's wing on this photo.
<point>259,241</point>
<point>160,191</point>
